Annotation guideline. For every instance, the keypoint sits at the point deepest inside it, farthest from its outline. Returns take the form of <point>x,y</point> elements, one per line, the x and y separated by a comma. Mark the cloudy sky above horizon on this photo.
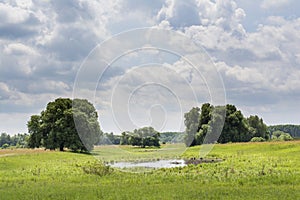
<point>254,45</point>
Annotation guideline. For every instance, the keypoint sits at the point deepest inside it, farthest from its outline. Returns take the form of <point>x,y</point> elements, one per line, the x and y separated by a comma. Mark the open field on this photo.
<point>249,171</point>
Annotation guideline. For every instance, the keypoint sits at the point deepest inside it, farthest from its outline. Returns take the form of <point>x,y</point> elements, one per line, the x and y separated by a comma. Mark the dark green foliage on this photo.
<point>235,127</point>
<point>293,130</point>
<point>34,130</point>
<point>65,124</point>
<point>203,127</point>
<point>258,127</point>
<point>142,137</point>
<point>205,116</point>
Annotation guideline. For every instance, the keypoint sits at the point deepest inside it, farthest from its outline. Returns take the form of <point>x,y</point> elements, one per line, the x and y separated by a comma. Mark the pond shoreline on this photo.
<point>164,163</point>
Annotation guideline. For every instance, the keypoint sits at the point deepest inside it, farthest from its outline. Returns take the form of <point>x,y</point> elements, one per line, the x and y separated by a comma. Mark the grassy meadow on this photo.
<point>269,170</point>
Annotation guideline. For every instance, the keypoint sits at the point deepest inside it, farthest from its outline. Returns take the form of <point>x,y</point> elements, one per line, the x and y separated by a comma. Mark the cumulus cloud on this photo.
<point>179,13</point>
<point>44,42</point>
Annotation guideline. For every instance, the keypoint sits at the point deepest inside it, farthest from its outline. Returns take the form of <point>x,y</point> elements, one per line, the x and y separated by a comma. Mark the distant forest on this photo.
<point>293,130</point>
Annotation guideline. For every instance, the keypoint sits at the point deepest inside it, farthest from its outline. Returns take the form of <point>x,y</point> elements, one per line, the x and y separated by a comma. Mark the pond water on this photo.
<point>151,164</point>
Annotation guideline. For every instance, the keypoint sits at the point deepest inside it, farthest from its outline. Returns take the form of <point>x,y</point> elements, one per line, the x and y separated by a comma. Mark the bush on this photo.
<point>5,146</point>
<point>285,137</point>
<point>97,168</point>
<point>281,136</point>
<point>257,139</point>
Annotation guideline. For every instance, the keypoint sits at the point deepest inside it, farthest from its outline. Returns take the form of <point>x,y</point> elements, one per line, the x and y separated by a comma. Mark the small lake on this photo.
<point>151,164</point>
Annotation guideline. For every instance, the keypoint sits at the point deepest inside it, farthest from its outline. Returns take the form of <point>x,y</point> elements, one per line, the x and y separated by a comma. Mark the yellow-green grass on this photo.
<point>249,171</point>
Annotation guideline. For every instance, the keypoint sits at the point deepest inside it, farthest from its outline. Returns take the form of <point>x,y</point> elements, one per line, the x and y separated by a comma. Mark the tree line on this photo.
<point>293,130</point>
<point>163,138</point>
<point>19,140</point>
<point>143,137</point>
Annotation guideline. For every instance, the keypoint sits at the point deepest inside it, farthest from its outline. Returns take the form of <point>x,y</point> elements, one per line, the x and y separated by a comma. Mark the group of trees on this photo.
<point>65,123</point>
<point>18,140</point>
<point>227,120</point>
<point>142,137</point>
<point>73,124</point>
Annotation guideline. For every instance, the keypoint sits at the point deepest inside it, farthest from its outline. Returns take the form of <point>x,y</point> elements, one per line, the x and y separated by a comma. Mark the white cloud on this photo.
<point>269,4</point>
<point>179,13</point>
<point>48,86</point>
<point>246,74</point>
<point>18,49</point>
<point>13,14</point>
<point>4,91</point>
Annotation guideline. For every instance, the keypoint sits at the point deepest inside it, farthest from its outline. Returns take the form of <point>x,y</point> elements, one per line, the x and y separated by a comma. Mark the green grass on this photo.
<point>249,171</point>
<point>129,153</point>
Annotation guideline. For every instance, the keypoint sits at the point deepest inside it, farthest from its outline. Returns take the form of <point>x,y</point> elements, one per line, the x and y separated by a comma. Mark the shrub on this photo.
<point>257,139</point>
<point>5,146</point>
<point>97,168</point>
<point>281,136</point>
<point>285,137</point>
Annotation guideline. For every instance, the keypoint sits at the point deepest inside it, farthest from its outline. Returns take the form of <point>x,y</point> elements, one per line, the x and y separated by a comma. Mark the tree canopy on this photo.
<point>142,137</point>
<point>228,120</point>
<point>65,123</point>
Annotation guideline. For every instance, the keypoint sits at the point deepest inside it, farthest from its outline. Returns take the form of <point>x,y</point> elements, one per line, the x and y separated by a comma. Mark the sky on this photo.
<point>52,49</point>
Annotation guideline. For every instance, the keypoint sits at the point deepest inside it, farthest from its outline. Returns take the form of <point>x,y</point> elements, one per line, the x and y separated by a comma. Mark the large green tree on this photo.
<point>203,125</point>
<point>235,127</point>
<point>65,123</point>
